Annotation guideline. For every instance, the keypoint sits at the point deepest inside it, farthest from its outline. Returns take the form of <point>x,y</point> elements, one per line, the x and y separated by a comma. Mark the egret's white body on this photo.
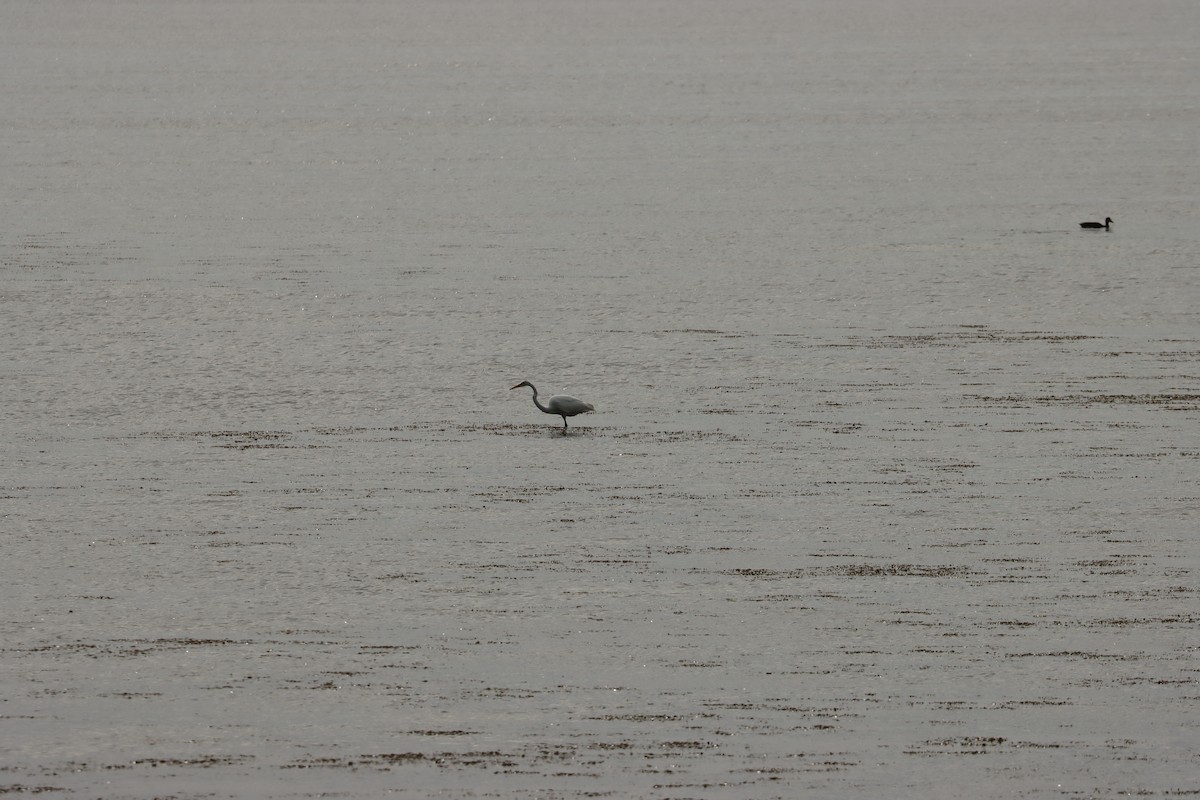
<point>562,404</point>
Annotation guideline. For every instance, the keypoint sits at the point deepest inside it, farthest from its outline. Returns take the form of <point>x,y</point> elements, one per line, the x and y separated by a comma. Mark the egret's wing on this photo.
<point>565,403</point>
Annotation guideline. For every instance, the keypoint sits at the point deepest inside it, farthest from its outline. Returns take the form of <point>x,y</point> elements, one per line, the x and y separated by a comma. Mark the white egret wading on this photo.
<point>562,404</point>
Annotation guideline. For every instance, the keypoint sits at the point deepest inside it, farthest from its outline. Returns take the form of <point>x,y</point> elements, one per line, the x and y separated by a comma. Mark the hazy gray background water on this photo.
<point>890,489</point>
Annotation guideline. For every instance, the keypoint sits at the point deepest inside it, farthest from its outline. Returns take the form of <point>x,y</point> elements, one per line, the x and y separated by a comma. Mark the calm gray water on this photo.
<point>890,490</point>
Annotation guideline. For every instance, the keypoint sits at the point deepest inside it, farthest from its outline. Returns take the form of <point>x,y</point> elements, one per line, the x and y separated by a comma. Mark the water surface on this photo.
<point>890,487</point>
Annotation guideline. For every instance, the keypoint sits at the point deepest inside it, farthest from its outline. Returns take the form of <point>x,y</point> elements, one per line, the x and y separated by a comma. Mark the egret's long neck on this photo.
<point>541,407</point>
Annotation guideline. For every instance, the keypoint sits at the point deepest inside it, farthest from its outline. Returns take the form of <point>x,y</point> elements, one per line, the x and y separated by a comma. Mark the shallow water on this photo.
<point>890,488</point>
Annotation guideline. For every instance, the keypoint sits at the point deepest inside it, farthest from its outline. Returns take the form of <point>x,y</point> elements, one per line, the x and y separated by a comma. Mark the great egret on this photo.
<point>562,404</point>
<point>1105,224</point>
